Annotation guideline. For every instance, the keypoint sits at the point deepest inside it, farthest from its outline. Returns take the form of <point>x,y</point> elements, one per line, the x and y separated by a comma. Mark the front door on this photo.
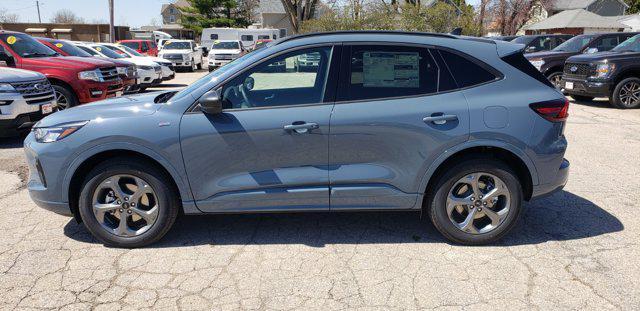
<point>268,149</point>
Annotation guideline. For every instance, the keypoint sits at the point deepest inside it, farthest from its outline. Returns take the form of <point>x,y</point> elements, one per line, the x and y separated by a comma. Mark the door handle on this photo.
<point>272,96</point>
<point>440,118</point>
<point>301,127</point>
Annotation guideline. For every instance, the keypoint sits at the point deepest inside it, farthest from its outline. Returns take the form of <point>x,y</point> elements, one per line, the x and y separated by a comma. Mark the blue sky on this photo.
<point>133,13</point>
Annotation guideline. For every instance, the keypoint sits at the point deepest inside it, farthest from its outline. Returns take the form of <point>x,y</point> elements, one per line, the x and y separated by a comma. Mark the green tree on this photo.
<point>634,6</point>
<point>213,13</point>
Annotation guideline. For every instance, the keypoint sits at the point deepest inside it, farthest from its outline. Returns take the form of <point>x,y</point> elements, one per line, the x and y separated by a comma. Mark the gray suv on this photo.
<point>463,129</point>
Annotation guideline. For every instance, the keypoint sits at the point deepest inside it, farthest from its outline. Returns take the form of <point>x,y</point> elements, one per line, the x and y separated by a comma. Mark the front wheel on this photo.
<point>476,202</point>
<point>556,79</point>
<point>128,203</point>
<point>627,94</point>
<point>64,97</point>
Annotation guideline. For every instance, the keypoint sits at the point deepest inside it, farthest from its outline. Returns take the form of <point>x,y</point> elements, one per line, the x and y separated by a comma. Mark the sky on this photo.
<point>133,13</point>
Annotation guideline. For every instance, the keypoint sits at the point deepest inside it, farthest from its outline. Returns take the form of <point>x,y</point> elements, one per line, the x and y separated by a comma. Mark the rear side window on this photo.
<point>518,61</point>
<point>377,72</point>
<point>466,72</point>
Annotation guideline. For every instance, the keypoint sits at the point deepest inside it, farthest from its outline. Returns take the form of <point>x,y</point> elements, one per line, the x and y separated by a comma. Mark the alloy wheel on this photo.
<point>63,101</point>
<point>630,94</point>
<point>125,205</point>
<point>478,203</point>
<point>556,80</point>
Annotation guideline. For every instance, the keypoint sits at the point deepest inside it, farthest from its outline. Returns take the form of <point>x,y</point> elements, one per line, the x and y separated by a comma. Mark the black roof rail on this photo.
<point>382,32</point>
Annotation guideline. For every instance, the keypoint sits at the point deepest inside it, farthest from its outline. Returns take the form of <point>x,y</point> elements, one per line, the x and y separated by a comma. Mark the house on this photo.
<point>576,22</point>
<point>600,7</point>
<point>171,13</point>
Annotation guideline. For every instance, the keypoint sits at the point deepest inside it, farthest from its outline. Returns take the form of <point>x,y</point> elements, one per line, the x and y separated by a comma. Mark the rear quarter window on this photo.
<point>465,72</point>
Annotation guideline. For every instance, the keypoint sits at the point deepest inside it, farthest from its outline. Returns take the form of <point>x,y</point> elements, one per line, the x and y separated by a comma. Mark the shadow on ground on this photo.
<point>598,103</point>
<point>11,142</point>
<point>562,216</point>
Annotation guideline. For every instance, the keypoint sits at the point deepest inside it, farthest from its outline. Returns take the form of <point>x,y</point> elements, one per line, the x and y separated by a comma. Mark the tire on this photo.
<point>581,98</point>
<point>450,181</point>
<point>626,87</point>
<point>165,207</point>
<point>193,66</point>
<point>200,66</point>
<point>556,79</point>
<point>65,96</point>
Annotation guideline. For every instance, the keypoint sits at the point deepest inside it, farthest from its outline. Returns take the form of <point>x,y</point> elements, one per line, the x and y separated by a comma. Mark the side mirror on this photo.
<point>6,59</point>
<point>530,49</point>
<point>210,103</point>
<point>591,50</point>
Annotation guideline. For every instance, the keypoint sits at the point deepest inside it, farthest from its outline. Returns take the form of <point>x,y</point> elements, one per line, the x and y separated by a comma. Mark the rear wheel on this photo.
<point>128,203</point>
<point>64,96</point>
<point>476,202</point>
<point>581,98</point>
<point>627,94</point>
<point>193,66</point>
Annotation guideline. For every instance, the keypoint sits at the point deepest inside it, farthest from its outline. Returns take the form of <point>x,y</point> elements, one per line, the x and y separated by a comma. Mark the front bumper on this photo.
<point>588,88</point>
<point>91,91</point>
<point>148,77</point>
<point>168,73</point>
<point>19,114</point>
<point>558,184</point>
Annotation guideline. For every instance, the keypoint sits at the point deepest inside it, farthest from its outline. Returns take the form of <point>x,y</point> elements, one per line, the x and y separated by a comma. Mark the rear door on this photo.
<point>394,115</point>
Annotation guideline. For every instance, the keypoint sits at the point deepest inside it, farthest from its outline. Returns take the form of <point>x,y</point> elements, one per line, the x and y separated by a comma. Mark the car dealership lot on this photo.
<point>575,249</point>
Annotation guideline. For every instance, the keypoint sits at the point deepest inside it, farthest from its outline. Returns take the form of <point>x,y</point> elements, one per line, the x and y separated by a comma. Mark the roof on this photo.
<point>578,18</point>
<point>271,6</point>
<point>562,5</point>
<point>179,3</point>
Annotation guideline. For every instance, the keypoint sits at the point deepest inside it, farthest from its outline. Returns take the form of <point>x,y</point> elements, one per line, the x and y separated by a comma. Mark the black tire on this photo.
<point>616,99</point>
<point>582,98</point>
<point>67,93</point>
<point>437,200</point>
<point>191,67</point>
<point>167,199</point>
<point>200,66</point>
<point>553,76</point>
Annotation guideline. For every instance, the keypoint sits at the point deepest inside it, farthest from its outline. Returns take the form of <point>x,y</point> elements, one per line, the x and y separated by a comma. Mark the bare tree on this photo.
<point>6,17</point>
<point>511,15</point>
<point>66,16</point>
<point>299,11</point>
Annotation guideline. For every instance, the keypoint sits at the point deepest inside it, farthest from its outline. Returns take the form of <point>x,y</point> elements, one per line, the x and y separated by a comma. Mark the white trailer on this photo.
<point>247,36</point>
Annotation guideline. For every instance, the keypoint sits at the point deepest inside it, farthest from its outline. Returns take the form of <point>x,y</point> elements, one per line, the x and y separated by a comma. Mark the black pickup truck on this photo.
<point>551,63</point>
<point>614,74</point>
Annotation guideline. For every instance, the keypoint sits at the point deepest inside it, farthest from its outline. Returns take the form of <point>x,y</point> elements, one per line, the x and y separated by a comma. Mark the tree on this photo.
<point>299,11</point>
<point>511,15</point>
<point>66,16</point>
<point>6,17</point>
<point>634,6</point>
<point>213,13</point>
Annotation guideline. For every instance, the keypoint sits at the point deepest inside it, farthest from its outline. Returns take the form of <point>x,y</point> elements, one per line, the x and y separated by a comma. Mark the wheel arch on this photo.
<point>627,73</point>
<point>517,160</point>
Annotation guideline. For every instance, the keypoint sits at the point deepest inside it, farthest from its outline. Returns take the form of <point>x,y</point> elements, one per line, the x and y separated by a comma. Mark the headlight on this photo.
<point>122,70</point>
<point>7,88</point>
<point>603,71</point>
<point>56,133</point>
<point>93,75</point>
<point>537,63</point>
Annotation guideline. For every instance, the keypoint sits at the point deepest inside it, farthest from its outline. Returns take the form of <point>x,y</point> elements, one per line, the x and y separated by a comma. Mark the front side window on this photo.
<point>539,44</point>
<point>606,43</point>
<point>296,78</point>
<point>108,52</point>
<point>388,71</point>
<point>575,44</point>
<point>70,49</point>
<point>88,50</point>
<point>26,46</point>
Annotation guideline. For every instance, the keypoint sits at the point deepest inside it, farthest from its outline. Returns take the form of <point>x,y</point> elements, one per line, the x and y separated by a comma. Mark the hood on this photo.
<point>117,62</point>
<point>225,51</point>
<point>603,56</point>
<point>549,55</point>
<point>141,61</point>
<point>10,75</point>
<point>135,106</point>
<point>67,62</point>
<point>166,51</point>
<point>159,60</point>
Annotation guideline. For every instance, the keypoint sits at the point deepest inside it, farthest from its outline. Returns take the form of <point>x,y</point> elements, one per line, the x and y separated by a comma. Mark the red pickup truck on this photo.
<point>146,47</point>
<point>75,80</point>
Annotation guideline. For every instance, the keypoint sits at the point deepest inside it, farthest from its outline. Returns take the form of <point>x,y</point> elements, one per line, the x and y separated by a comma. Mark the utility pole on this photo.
<point>112,30</point>
<point>38,6</point>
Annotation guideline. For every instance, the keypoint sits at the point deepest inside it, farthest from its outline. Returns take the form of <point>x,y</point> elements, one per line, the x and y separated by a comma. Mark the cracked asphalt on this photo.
<point>577,249</point>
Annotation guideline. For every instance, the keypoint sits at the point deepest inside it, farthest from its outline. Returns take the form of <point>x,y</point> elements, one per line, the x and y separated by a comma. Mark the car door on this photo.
<point>393,116</point>
<point>268,149</point>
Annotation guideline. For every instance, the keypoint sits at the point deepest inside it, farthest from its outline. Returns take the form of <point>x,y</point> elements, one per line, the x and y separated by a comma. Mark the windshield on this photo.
<point>575,44</point>
<point>133,45</point>
<point>70,49</point>
<point>229,45</point>
<point>130,50</point>
<point>26,46</point>
<point>630,45</point>
<point>177,45</point>
<point>108,52</point>
<point>88,50</point>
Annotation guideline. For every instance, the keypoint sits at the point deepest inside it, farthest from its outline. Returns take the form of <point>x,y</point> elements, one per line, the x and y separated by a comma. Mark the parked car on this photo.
<point>149,73</point>
<point>126,70</point>
<point>25,97</point>
<point>614,74</point>
<point>183,53</point>
<point>224,51</point>
<point>167,66</point>
<point>260,43</point>
<point>145,47</point>
<point>551,63</point>
<point>539,43</point>
<point>503,38</point>
<point>75,80</point>
<point>466,145</point>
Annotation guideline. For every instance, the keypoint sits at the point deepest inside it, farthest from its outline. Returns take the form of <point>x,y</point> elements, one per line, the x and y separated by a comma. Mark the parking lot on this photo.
<point>573,250</point>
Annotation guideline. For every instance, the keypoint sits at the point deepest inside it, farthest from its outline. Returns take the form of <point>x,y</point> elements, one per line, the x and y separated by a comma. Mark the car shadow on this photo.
<point>559,217</point>
<point>11,142</point>
<point>596,103</point>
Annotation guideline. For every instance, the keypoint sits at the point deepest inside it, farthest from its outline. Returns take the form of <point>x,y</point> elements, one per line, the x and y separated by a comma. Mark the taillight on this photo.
<point>553,110</point>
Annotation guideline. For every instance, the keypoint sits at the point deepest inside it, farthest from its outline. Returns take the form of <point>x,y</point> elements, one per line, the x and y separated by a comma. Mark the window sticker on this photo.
<point>391,69</point>
<point>59,45</point>
<point>11,39</point>
<point>98,48</point>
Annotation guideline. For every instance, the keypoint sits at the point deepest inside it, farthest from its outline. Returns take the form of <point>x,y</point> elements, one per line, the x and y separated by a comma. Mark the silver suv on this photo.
<point>25,97</point>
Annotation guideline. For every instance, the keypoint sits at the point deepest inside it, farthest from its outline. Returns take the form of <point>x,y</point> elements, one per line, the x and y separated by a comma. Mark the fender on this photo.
<point>183,188</point>
<point>476,143</point>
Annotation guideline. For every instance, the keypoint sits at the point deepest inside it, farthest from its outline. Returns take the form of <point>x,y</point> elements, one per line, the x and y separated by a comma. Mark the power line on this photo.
<point>38,5</point>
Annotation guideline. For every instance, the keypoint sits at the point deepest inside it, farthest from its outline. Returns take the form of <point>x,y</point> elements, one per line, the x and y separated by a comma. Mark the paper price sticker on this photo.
<point>11,39</point>
<point>59,45</point>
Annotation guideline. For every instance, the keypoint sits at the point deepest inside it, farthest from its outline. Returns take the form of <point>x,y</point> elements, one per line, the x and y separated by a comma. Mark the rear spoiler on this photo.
<point>507,48</point>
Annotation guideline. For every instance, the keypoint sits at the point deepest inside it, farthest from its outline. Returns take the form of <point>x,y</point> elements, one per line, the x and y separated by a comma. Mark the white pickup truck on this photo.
<point>183,54</point>
<point>25,97</point>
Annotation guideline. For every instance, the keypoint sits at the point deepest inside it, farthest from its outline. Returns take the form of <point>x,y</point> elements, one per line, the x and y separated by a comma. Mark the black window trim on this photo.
<point>346,55</point>
<point>336,48</point>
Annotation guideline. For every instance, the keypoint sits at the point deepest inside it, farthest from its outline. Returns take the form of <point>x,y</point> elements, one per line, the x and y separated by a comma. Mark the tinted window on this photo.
<point>70,49</point>
<point>133,45</point>
<point>574,44</point>
<point>606,43</point>
<point>246,38</point>
<point>518,61</point>
<point>466,72</point>
<point>295,78</point>
<point>213,36</point>
<point>88,50</point>
<point>26,46</point>
<point>630,45</point>
<point>540,44</point>
<point>387,71</point>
